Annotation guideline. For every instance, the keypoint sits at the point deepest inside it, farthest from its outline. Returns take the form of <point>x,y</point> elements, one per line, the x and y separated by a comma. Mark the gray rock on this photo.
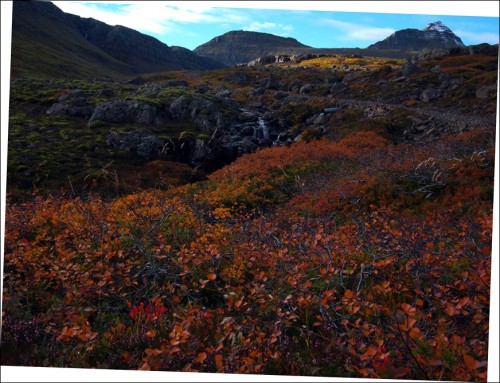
<point>142,142</point>
<point>337,88</point>
<point>258,91</point>
<point>280,95</point>
<point>436,69</point>
<point>421,128</point>
<point>294,86</point>
<point>198,110</point>
<point>175,83</point>
<point>74,104</point>
<point>486,91</point>
<point>319,119</point>
<point>272,82</point>
<point>430,94</point>
<point>62,108</point>
<point>409,68</point>
<point>239,78</point>
<point>127,111</point>
<point>135,81</point>
<point>224,93</point>
<point>331,110</point>
<point>306,88</point>
<point>107,92</point>
<point>248,116</point>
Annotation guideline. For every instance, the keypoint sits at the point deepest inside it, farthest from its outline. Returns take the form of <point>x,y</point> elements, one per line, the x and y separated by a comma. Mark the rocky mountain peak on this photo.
<point>437,26</point>
<point>436,35</point>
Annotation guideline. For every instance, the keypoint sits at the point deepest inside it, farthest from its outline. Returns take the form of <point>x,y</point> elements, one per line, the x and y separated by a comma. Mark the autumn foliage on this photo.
<point>354,258</point>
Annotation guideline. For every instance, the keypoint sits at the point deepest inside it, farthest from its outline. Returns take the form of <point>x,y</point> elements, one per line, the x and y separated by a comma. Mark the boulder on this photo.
<point>485,91</point>
<point>239,78</point>
<point>430,94</point>
<point>409,68</point>
<point>280,95</point>
<point>272,82</point>
<point>198,110</point>
<point>141,142</point>
<point>107,92</point>
<point>306,88</point>
<point>175,83</point>
<point>127,111</point>
<point>74,104</point>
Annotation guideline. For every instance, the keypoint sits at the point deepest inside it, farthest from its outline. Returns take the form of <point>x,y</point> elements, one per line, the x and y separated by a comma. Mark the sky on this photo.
<point>192,23</point>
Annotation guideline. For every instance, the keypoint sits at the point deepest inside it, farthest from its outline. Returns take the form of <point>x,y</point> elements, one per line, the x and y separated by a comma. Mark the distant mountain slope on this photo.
<point>435,36</point>
<point>46,42</point>
<point>238,47</point>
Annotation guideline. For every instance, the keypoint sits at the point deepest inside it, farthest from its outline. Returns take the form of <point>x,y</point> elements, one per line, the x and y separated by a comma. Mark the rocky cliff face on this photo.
<point>435,36</point>
<point>240,47</point>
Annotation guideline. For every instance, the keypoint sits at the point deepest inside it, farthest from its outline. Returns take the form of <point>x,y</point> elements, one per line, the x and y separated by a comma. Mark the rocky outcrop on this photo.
<point>74,104</point>
<point>484,49</point>
<point>127,112</point>
<point>142,143</point>
<point>199,110</point>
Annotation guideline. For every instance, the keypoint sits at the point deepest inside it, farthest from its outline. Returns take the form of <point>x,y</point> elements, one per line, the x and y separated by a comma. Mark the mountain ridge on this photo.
<point>239,47</point>
<point>74,46</point>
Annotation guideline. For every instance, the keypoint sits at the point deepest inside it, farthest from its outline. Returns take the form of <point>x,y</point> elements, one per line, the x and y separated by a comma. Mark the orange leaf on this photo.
<point>408,309</point>
<point>450,310</point>
<point>218,362</point>
<point>348,294</point>
<point>212,277</point>
<point>463,302</point>
<point>470,362</point>
<point>151,334</point>
<point>201,357</point>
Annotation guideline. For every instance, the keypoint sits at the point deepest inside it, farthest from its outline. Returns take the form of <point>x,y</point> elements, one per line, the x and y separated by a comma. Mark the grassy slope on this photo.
<point>47,47</point>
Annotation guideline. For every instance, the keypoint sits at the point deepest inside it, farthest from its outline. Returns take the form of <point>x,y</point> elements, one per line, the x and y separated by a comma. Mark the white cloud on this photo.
<point>477,38</point>
<point>358,32</point>
<point>266,25</point>
<point>151,16</point>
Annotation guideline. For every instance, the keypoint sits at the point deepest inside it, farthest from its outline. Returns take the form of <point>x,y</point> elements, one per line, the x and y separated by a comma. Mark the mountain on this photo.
<point>436,35</point>
<point>237,47</point>
<point>47,42</point>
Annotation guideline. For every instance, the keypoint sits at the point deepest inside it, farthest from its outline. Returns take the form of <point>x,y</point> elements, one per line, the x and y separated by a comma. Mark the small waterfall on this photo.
<point>264,128</point>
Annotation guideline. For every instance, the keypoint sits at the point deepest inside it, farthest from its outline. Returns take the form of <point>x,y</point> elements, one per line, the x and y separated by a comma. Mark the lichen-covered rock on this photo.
<point>142,142</point>
<point>199,110</point>
<point>127,111</point>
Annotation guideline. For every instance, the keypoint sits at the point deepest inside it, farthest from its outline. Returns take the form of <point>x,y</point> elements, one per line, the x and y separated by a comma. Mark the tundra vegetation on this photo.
<point>359,245</point>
